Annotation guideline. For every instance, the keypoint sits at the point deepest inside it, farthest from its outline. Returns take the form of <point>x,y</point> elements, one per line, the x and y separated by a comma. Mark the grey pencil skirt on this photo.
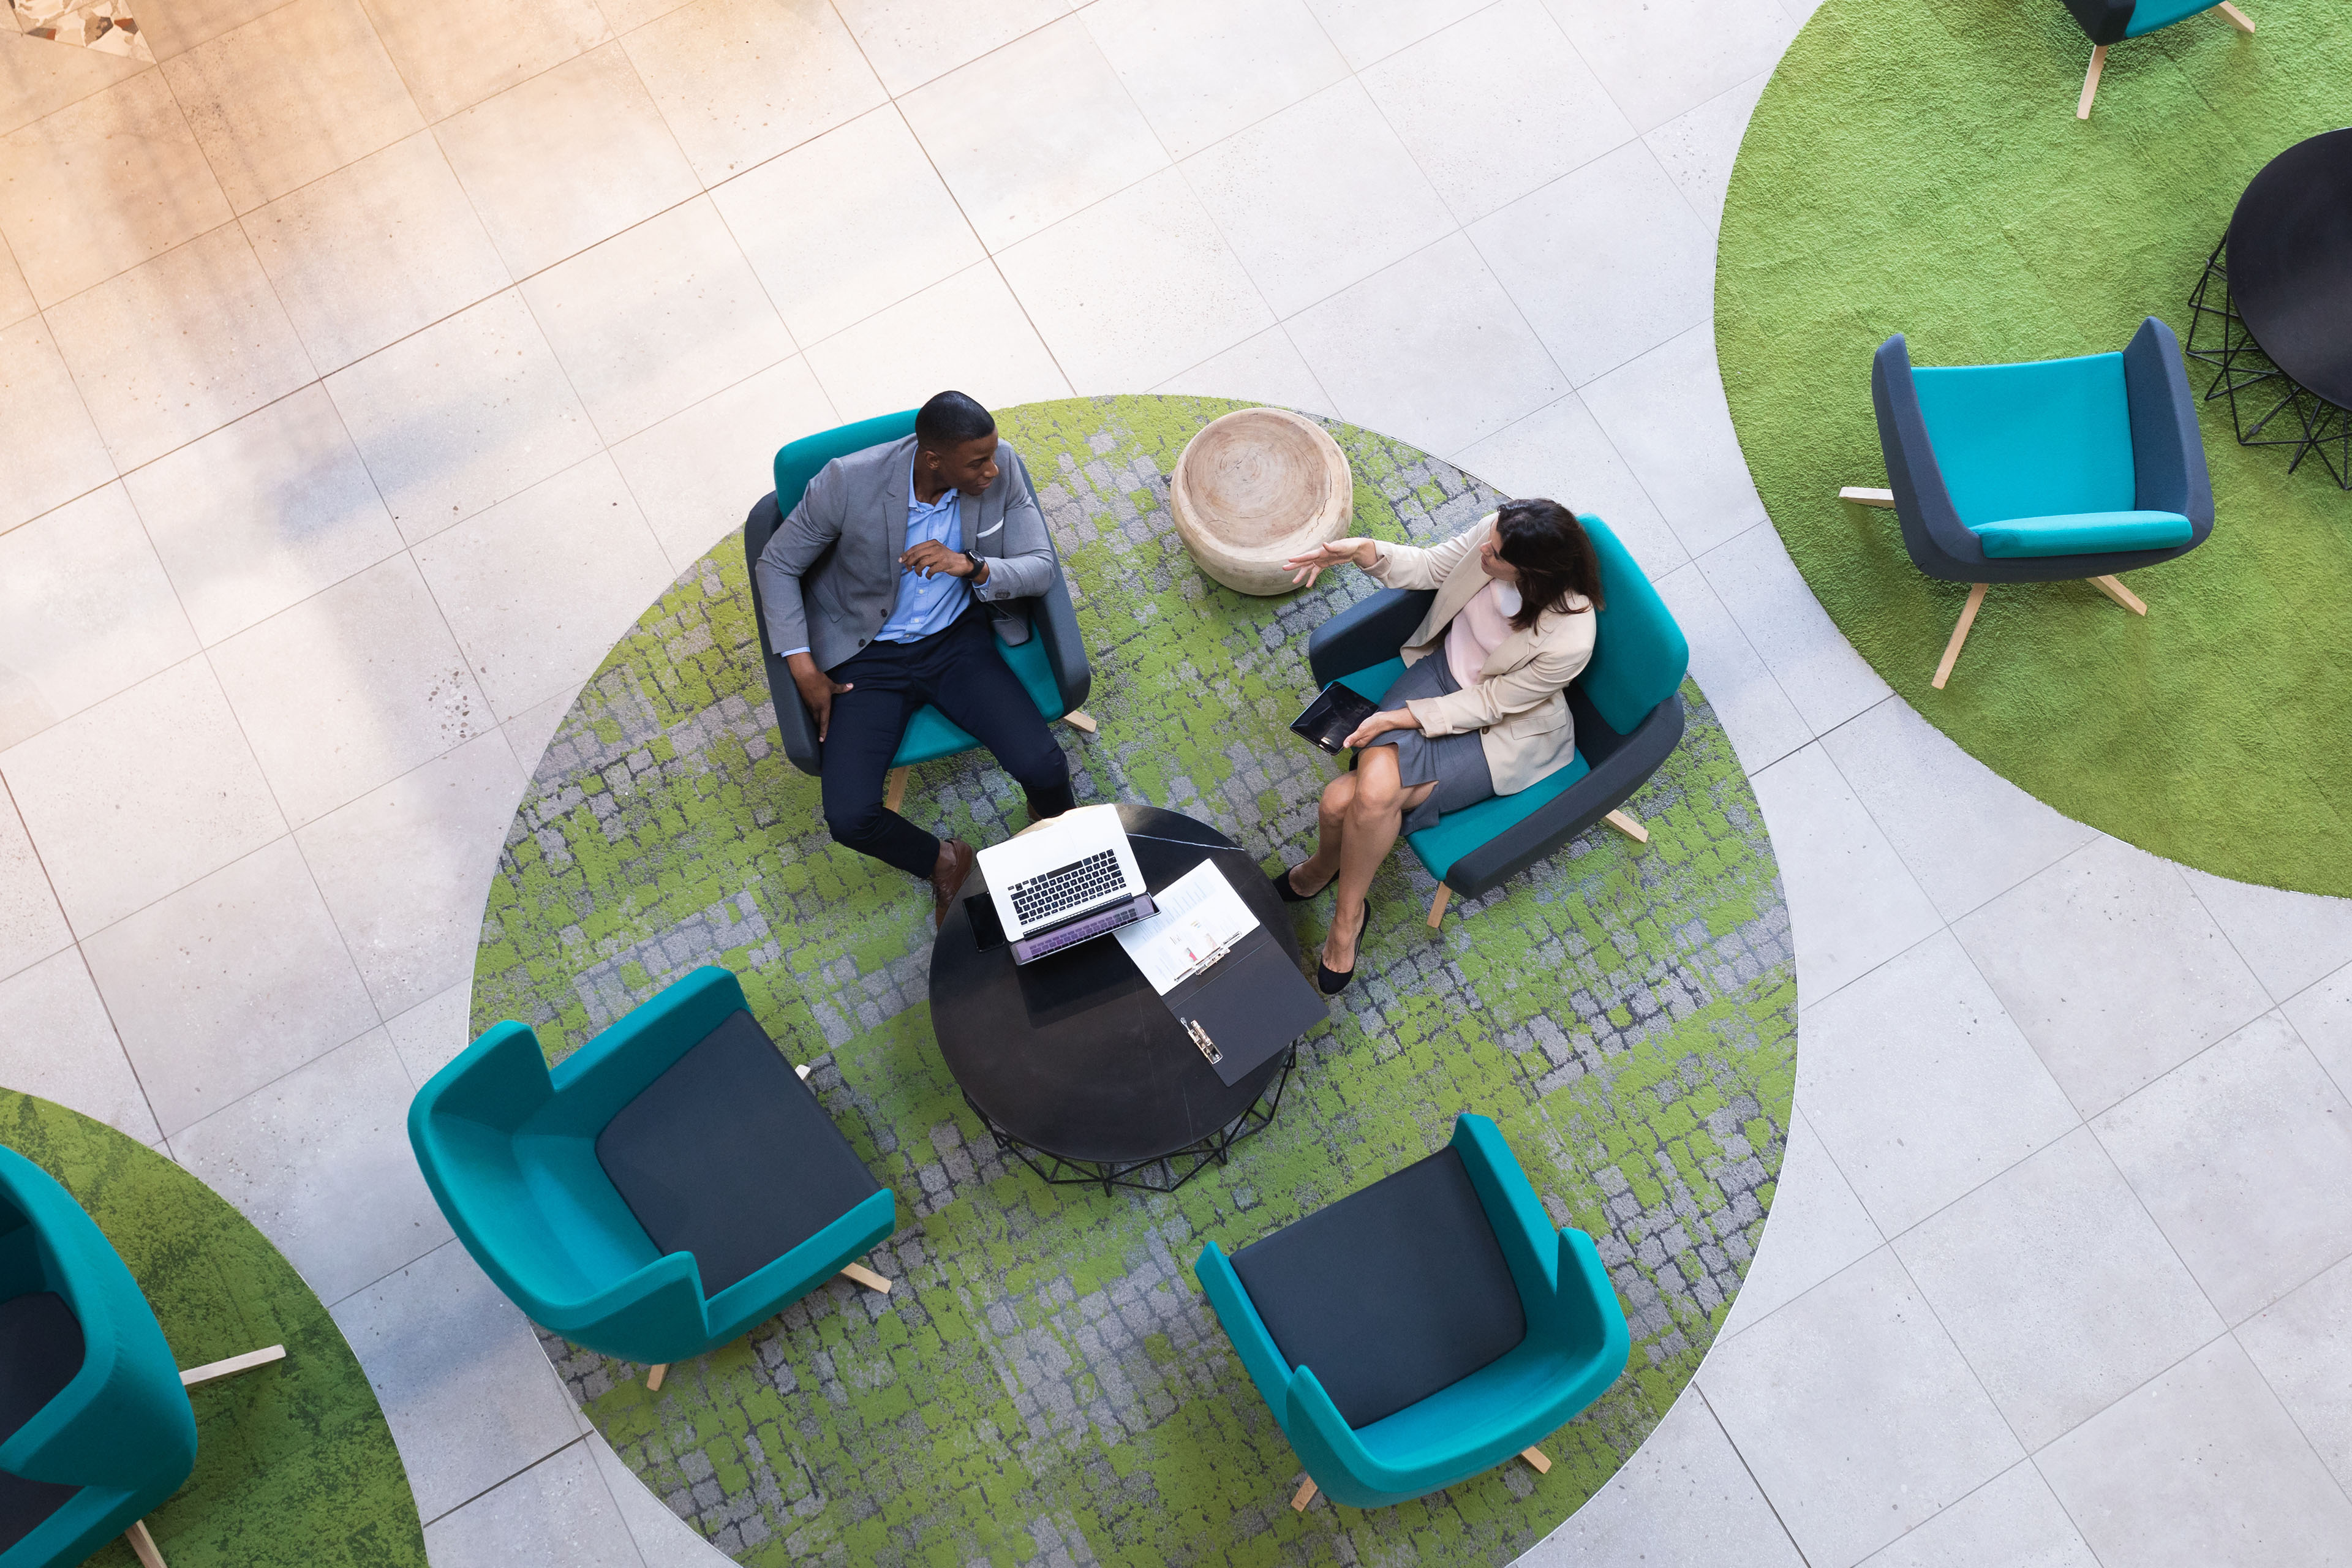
<point>1456,764</point>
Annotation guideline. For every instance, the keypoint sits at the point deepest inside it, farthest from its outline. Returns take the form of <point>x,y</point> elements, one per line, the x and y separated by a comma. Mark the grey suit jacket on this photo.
<point>829,576</point>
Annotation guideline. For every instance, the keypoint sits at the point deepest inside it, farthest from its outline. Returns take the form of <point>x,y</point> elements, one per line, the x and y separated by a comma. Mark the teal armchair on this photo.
<point>2041,471</point>
<point>1626,706</point>
<point>1052,664</point>
<point>1423,1329</point>
<point>2108,22</point>
<point>661,1190</point>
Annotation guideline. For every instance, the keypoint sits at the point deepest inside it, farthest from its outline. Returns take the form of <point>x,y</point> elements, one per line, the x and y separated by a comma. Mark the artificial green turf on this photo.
<point>1045,1384</point>
<point>1918,167</point>
<point>295,1466</point>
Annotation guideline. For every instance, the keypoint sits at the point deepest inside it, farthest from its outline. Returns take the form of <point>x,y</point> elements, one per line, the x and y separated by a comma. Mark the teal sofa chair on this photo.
<point>2044,471</point>
<point>2108,22</point>
<point>95,1429</point>
<point>1422,1329</point>
<point>659,1191</point>
<point>1052,664</point>
<point>1626,704</point>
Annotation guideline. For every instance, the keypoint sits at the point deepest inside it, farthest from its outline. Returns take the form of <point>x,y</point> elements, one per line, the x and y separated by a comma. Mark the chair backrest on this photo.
<point>797,462</point>
<point>122,1421</point>
<point>1639,654</point>
<point>2045,439</point>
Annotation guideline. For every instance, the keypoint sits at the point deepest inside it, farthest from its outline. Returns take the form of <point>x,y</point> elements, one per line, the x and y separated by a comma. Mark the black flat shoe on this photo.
<point>1290,895</point>
<point>1331,981</point>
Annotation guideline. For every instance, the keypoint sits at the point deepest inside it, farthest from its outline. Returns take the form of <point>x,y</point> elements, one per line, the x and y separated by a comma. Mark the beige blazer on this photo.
<point>1520,706</point>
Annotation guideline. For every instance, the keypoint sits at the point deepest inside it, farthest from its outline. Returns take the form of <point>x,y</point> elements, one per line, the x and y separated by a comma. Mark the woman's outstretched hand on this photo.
<point>1305,569</point>
<point>1380,724</point>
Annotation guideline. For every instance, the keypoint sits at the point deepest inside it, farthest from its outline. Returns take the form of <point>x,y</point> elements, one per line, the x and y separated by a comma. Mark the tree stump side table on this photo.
<point>1256,486</point>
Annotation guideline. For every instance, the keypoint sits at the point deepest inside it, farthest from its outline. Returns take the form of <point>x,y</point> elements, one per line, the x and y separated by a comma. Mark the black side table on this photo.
<point>2274,309</point>
<point>1073,1061</point>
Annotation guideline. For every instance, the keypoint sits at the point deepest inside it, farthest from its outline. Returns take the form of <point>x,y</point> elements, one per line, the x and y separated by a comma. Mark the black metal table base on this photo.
<point>1138,1176</point>
<point>2304,420</point>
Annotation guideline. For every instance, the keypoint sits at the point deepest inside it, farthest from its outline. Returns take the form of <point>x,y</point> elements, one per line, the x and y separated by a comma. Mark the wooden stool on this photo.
<point>1255,486</point>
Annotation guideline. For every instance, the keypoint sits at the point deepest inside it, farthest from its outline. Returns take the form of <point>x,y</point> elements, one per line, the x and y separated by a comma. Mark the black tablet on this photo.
<point>1333,716</point>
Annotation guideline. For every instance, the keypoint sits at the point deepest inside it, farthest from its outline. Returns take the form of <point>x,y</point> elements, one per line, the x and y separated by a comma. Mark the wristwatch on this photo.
<point>975,571</point>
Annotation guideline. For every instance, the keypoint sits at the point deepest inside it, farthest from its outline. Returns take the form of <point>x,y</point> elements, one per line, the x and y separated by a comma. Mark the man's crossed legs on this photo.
<point>960,672</point>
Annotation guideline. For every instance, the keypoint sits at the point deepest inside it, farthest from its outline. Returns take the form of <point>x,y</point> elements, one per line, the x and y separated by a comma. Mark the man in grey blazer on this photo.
<point>884,590</point>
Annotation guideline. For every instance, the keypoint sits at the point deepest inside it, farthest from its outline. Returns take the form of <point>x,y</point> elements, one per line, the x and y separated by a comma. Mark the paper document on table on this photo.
<point>1201,916</point>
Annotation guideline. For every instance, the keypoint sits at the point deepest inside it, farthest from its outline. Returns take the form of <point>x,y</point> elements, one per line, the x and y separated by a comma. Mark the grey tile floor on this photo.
<point>315,337</point>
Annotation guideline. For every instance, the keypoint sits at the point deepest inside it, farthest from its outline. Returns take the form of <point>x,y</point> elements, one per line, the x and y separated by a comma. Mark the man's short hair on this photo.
<point>950,419</point>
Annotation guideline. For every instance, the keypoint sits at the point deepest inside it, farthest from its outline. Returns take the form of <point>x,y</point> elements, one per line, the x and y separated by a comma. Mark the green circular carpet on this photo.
<point>295,1466</point>
<point>1048,1383</point>
<point>1918,167</point>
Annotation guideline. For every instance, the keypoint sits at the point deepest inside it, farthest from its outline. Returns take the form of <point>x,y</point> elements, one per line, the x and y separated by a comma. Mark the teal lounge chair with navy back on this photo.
<point>1626,705</point>
<point>2041,472</point>
<point>658,1192</point>
<point>1052,664</point>
<point>94,1429</point>
<point>1423,1329</point>
<point>2108,22</point>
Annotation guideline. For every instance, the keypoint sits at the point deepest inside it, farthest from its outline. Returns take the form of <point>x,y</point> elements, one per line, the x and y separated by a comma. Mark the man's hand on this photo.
<point>817,689</point>
<point>930,559</point>
<point>1380,724</point>
<point>1305,569</point>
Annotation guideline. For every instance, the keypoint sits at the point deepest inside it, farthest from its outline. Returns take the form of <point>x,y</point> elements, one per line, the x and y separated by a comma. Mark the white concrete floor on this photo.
<point>365,367</point>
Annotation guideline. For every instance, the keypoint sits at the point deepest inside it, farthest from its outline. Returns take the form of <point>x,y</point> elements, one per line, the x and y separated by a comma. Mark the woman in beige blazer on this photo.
<point>1512,625</point>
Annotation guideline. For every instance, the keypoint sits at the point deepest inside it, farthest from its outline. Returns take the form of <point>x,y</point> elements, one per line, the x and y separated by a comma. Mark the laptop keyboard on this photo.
<point>1070,887</point>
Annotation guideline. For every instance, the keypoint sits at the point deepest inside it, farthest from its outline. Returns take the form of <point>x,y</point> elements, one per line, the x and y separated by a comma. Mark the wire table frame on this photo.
<point>1160,1174</point>
<point>2306,421</point>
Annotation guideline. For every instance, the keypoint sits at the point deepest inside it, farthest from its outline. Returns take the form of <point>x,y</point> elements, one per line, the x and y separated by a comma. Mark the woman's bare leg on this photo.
<point>1367,831</point>
<point>1331,824</point>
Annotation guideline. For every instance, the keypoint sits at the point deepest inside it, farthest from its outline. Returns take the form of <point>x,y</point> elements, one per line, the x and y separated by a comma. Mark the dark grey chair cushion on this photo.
<point>1391,1293</point>
<point>40,1351</point>
<point>728,1156</point>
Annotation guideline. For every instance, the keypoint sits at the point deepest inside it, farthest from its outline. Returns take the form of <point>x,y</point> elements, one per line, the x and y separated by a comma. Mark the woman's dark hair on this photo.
<point>949,419</point>
<point>1553,554</point>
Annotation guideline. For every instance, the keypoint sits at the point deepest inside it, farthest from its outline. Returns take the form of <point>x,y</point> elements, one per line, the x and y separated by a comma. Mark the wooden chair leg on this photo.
<point>1861,497</point>
<point>1628,826</point>
<point>2091,82</point>
<point>894,792</point>
<point>2114,589</point>
<point>142,1545</point>
<point>1437,905</point>
<point>1306,1494</point>
<point>859,1274</point>
<point>1959,635</point>
<point>1536,1456</point>
<point>1079,718</point>
<point>653,1378</point>
<point>2235,18</point>
<point>213,1371</point>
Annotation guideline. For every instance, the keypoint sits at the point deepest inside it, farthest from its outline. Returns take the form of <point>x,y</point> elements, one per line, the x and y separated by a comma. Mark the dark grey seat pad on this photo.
<point>40,1351</point>
<point>1389,1294</point>
<point>728,1155</point>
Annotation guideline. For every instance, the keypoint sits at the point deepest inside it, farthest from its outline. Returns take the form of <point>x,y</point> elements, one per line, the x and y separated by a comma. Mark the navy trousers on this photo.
<point>958,672</point>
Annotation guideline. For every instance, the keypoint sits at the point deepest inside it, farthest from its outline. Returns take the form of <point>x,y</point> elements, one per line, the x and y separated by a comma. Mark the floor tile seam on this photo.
<point>104,87</point>
<point>1642,353</point>
<point>275,6</point>
<point>357,1291</point>
<point>2343,1488</point>
<point>577,1441</point>
<point>1840,1272</point>
<point>2277,1003</point>
<point>1880,828</point>
<point>1380,108</point>
<point>235,214</point>
<point>1652,578</point>
<point>1691,557</point>
<point>936,77</point>
<point>2328,1266</point>
<point>89,975</point>
<point>1745,1468</point>
<point>1713,223</point>
<point>263,1088</point>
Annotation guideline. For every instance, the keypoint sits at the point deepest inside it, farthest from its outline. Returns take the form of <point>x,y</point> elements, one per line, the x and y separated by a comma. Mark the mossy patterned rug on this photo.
<point>1047,1384</point>
<point>295,1466</point>
<point>1917,167</point>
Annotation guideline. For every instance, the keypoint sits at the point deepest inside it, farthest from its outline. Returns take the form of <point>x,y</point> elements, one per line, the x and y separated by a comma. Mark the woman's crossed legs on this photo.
<point>1360,814</point>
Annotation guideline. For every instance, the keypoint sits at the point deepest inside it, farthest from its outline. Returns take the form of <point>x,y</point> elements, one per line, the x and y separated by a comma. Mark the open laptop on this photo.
<point>1068,879</point>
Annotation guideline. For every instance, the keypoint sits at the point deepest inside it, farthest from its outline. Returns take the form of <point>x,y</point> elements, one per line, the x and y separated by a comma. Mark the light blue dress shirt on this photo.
<point>924,605</point>
<point>927,605</point>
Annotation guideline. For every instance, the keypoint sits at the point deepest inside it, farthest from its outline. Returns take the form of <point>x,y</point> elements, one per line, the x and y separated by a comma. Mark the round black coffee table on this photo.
<point>1073,1061</point>
<point>2274,306</point>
